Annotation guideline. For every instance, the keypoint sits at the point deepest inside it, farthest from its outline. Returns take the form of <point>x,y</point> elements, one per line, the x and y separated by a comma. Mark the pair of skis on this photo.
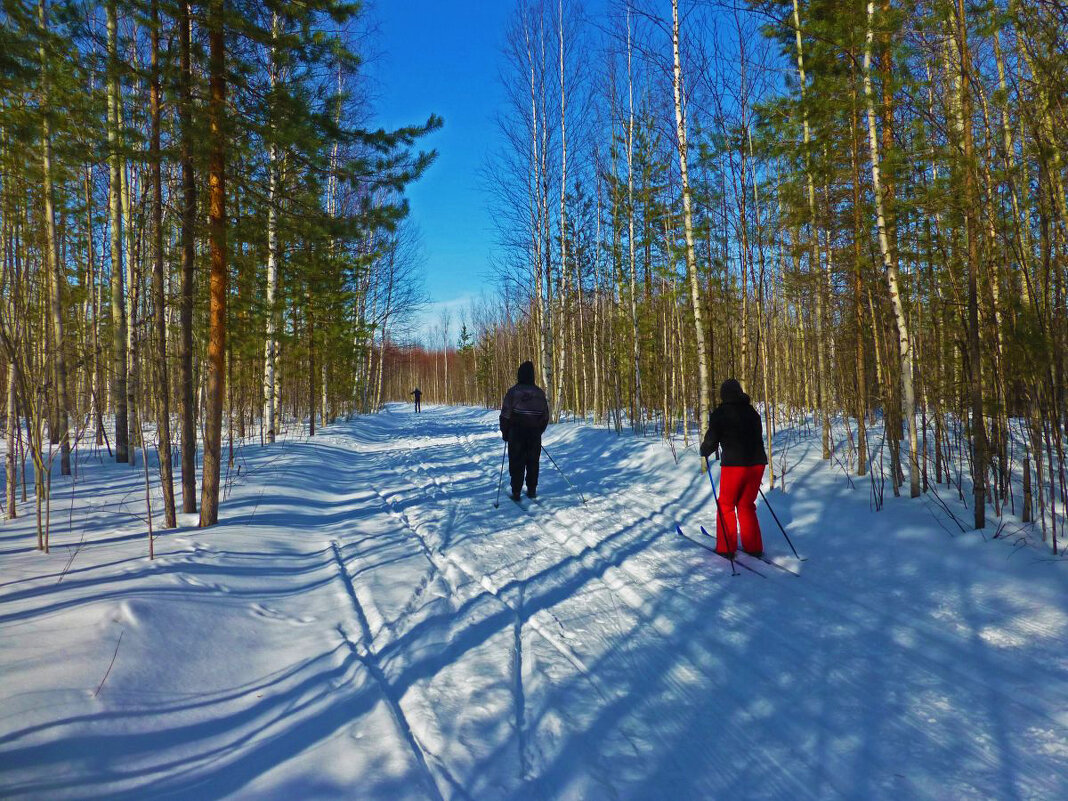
<point>706,543</point>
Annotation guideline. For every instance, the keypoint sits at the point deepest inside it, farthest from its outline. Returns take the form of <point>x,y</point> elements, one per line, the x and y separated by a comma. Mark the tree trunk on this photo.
<point>271,345</point>
<point>186,378</point>
<point>118,306</point>
<point>687,222</point>
<point>58,281</point>
<point>971,202</point>
<point>209,498</point>
<point>908,399</point>
<point>311,365</point>
<point>162,389</point>
<point>10,454</point>
<point>861,403</point>
<point>131,300</point>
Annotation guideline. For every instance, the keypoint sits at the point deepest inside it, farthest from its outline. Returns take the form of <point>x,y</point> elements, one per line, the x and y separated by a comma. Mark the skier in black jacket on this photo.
<point>735,426</point>
<point>418,393</point>
<point>524,418</point>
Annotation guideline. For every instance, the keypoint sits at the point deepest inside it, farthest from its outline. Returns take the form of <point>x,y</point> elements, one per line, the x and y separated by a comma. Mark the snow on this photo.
<point>364,624</point>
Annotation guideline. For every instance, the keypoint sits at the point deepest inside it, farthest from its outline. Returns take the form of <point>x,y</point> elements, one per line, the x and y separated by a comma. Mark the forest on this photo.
<point>199,223</point>
<point>857,209</point>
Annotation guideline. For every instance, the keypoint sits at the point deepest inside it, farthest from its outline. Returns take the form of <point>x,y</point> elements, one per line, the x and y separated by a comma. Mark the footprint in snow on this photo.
<point>268,613</point>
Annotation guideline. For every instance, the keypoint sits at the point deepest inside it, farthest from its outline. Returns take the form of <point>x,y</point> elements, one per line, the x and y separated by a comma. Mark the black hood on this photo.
<point>731,392</point>
<point>525,375</point>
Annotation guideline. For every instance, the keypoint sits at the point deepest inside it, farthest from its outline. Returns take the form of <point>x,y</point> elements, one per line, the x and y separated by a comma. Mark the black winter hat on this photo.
<point>731,392</point>
<point>525,375</point>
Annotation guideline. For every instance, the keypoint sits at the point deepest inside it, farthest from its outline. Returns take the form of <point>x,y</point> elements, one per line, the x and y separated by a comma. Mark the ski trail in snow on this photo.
<point>497,591</point>
<point>578,542</point>
<point>364,652</point>
<point>366,658</point>
<point>520,695</point>
<point>357,607</point>
<point>445,561</point>
<point>581,546</point>
<point>364,619</point>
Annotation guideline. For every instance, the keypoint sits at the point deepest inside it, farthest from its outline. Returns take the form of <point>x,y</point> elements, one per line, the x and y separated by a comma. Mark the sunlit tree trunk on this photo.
<point>10,454</point>
<point>216,380</point>
<point>186,380</point>
<point>823,384</point>
<point>118,305</point>
<point>635,336</point>
<point>58,281</point>
<point>908,398</point>
<point>687,222</point>
<point>162,388</point>
<point>270,345</point>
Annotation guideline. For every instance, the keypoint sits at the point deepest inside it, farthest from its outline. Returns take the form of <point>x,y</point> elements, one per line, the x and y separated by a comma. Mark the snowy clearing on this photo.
<point>364,624</point>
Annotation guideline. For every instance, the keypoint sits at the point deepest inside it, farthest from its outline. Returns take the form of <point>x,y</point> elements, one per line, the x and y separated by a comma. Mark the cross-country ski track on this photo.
<point>364,624</point>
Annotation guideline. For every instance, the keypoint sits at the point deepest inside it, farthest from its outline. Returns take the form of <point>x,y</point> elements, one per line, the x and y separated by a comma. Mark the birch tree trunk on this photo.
<point>270,345</point>
<point>636,351</point>
<point>861,408</point>
<point>908,397</point>
<point>687,222</point>
<point>822,384</point>
<point>59,363</point>
<point>131,299</point>
<point>535,183</point>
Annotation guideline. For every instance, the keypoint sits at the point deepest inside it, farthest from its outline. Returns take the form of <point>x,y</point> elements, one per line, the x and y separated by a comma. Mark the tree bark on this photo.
<point>59,362</point>
<point>687,222</point>
<point>188,222</point>
<point>162,388</point>
<point>118,306</point>
<point>216,379</point>
<point>908,398</point>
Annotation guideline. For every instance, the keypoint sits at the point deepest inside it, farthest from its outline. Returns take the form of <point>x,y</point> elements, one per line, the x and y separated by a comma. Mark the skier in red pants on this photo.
<point>735,427</point>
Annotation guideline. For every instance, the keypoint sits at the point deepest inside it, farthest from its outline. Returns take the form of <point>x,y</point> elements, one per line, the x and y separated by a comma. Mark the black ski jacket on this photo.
<point>525,407</point>
<point>734,426</point>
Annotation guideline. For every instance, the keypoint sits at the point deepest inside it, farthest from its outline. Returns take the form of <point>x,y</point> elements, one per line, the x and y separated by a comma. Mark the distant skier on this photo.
<point>524,417</point>
<point>418,395</point>
<point>734,425</point>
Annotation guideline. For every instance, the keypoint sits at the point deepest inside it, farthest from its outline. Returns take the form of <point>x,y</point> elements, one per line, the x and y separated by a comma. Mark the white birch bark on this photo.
<point>908,394</point>
<point>823,383</point>
<point>270,345</point>
<point>635,343</point>
<point>58,281</point>
<point>687,222</point>
<point>271,342</point>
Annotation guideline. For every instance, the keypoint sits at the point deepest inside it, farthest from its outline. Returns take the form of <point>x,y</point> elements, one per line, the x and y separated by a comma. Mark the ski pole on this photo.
<point>568,480</point>
<point>783,530</point>
<point>715,497</point>
<point>497,503</point>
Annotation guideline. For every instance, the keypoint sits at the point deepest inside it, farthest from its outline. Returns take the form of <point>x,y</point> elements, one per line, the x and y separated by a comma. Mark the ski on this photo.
<point>763,559</point>
<point>783,568</point>
<point>711,549</point>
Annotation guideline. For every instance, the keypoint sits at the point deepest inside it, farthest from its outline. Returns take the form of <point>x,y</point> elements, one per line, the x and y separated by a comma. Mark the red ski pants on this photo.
<point>738,488</point>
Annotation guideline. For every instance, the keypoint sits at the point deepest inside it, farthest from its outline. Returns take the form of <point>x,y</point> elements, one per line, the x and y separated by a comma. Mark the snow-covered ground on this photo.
<point>364,624</point>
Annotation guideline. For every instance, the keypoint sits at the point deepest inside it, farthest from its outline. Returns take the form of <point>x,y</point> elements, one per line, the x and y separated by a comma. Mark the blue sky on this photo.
<point>442,57</point>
